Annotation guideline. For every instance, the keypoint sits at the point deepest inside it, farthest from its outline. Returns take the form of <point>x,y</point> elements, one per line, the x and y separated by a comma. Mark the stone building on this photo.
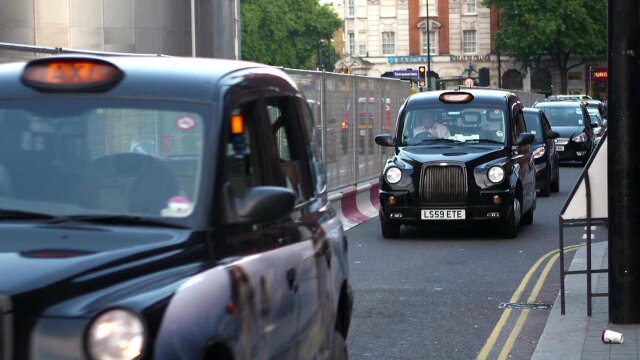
<point>395,37</point>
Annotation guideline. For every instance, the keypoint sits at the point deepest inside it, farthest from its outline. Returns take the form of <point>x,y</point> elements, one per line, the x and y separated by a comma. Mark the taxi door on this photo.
<point>268,255</point>
<point>313,291</point>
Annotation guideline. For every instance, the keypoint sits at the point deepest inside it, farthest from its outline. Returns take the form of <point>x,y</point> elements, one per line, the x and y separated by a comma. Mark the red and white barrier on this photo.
<point>356,204</point>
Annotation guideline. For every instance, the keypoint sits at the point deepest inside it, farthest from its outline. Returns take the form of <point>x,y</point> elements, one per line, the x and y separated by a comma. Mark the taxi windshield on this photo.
<point>65,156</point>
<point>454,124</point>
<point>564,115</point>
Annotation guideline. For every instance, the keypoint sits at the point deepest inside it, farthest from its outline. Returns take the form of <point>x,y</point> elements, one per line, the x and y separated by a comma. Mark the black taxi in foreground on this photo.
<point>164,208</point>
<point>459,156</point>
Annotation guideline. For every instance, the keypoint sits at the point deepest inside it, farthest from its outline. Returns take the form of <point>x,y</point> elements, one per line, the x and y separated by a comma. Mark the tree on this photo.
<point>562,31</point>
<point>288,33</point>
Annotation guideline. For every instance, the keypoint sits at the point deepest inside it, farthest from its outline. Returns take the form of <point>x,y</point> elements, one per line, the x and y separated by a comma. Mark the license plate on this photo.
<point>443,214</point>
<point>559,148</point>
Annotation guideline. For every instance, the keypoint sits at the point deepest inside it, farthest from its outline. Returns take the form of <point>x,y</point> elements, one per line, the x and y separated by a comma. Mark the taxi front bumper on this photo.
<point>400,207</point>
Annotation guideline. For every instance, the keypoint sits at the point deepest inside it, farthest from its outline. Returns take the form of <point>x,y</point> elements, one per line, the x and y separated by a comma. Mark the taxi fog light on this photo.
<point>497,200</point>
<point>581,153</point>
<point>393,175</point>
<point>495,174</point>
<point>117,334</point>
<point>396,215</point>
<point>493,215</point>
<point>392,200</point>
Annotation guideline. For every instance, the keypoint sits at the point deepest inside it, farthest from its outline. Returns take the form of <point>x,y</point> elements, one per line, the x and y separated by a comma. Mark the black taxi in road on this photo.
<point>165,208</point>
<point>459,156</point>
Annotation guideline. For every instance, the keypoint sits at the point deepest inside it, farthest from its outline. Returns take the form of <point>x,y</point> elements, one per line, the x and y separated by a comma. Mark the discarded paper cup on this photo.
<point>612,337</point>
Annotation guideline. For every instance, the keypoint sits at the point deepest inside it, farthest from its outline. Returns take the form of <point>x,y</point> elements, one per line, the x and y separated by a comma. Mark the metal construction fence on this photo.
<point>348,109</point>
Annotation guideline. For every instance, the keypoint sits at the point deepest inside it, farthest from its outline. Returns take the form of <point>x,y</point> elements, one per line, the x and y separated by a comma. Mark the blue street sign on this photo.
<point>405,73</point>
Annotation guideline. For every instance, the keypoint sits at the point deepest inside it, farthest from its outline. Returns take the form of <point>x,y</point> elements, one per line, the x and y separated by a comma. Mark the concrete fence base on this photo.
<point>356,204</point>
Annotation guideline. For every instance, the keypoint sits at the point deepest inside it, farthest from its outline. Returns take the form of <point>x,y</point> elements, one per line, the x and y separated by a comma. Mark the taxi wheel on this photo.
<point>527,218</point>
<point>546,185</point>
<point>555,187</point>
<point>390,230</point>
<point>510,230</point>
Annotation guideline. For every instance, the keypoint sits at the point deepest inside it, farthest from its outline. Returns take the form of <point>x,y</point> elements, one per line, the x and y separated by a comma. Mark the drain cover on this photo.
<point>535,306</point>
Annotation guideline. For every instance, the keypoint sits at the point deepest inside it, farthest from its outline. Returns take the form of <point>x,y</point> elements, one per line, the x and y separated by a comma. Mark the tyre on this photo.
<point>527,218</point>
<point>390,230</point>
<point>546,185</point>
<point>510,230</point>
<point>555,186</point>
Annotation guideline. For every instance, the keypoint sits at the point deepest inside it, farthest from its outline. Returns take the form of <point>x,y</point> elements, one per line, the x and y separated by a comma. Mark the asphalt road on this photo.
<point>436,293</point>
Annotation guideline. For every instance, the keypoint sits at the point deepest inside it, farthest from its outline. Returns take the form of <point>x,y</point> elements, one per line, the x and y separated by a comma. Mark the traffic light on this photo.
<point>422,72</point>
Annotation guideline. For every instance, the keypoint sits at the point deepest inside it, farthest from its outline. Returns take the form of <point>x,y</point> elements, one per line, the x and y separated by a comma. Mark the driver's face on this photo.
<point>427,121</point>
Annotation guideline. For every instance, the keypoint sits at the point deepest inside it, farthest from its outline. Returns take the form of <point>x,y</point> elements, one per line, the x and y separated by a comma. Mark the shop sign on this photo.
<point>600,74</point>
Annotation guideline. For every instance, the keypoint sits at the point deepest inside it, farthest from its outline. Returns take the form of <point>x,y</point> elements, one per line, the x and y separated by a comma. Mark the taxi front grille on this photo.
<point>442,184</point>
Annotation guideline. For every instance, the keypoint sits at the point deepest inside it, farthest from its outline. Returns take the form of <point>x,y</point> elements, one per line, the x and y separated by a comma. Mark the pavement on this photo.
<point>575,335</point>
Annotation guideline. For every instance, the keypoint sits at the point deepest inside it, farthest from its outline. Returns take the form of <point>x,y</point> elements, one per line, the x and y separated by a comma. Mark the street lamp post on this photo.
<point>428,50</point>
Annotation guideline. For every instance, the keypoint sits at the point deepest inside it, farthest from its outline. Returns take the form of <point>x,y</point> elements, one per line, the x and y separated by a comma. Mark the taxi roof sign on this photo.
<point>71,74</point>
<point>456,97</point>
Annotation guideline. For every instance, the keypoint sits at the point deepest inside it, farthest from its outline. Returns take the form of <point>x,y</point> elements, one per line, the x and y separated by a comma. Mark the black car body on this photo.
<point>570,119</point>
<point>483,171</point>
<point>164,208</point>
<point>544,151</point>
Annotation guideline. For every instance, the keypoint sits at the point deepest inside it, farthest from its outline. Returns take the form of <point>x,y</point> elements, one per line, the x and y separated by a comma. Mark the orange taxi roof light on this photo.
<point>70,74</point>
<point>237,125</point>
<point>456,97</point>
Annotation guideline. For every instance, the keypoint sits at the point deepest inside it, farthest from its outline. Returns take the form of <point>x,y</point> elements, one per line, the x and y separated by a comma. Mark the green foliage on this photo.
<point>287,33</point>
<point>531,29</point>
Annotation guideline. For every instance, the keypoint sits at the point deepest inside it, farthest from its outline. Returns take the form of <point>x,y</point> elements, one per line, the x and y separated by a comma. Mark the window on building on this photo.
<point>433,43</point>
<point>351,42</point>
<point>363,49</point>
<point>352,8</point>
<point>388,43</point>
<point>471,6</point>
<point>433,8</point>
<point>469,41</point>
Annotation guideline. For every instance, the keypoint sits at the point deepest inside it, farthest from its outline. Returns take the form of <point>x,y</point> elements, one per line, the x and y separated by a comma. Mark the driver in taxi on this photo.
<point>428,125</point>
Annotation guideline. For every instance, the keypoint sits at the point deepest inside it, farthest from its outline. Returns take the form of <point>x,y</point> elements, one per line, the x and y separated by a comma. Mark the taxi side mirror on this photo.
<point>260,204</point>
<point>525,139</point>
<point>384,140</point>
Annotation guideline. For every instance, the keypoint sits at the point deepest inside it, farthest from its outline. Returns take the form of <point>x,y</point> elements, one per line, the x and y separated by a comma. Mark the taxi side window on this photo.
<point>289,145</point>
<point>243,165</point>
<point>518,123</point>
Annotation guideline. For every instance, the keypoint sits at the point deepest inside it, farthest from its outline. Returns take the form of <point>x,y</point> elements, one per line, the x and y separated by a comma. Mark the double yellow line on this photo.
<point>506,349</point>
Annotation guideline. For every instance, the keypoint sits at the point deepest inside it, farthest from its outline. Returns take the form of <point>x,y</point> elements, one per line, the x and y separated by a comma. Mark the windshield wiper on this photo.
<point>486,141</point>
<point>114,220</point>
<point>19,214</point>
<point>439,140</point>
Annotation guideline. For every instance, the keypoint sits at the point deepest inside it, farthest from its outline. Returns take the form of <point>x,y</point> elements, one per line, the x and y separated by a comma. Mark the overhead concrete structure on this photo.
<point>131,26</point>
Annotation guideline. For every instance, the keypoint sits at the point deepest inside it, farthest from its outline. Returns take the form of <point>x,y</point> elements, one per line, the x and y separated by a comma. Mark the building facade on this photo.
<point>454,38</point>
<point>130,26</point>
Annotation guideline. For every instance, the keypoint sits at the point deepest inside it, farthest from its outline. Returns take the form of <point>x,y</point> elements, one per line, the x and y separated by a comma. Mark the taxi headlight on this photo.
<point>393,175</point>
<point>495,174</point>
<point>539,152</point>
<point>117,334</point>
<point>580,138</point>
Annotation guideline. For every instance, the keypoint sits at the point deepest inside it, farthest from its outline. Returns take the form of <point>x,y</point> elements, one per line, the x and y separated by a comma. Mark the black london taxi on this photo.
<point>165,208</point>
<point>544,151</point>
<point>460,156</point>
<point>571,120</point>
